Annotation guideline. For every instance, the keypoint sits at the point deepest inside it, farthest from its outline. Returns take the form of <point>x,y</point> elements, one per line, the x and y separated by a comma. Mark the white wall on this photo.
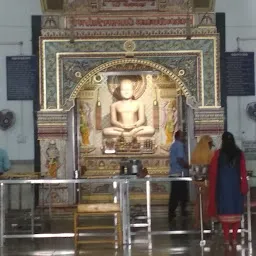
<point>15,26</point>
<point>240,22</point>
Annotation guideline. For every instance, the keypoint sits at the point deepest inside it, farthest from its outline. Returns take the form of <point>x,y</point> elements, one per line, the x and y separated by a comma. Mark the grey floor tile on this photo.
<point>162,245</point>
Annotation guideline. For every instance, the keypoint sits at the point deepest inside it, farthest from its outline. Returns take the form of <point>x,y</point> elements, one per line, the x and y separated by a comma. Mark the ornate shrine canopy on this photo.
<point>83,37</point>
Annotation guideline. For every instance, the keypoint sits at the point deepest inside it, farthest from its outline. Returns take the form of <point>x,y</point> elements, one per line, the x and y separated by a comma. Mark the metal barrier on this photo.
<point>121,187</point>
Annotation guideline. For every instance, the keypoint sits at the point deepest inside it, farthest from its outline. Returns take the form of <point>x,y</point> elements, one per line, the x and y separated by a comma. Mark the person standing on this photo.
<point>178,168</point>
<point>228,186</point>
<point>202,156</point>
<point>4,161</point>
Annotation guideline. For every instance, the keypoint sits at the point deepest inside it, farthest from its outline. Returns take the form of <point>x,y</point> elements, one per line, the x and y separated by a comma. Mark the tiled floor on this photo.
<point>161,244</point>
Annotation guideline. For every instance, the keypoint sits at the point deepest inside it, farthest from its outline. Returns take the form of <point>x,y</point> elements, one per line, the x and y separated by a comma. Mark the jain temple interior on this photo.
<point>104,103</point>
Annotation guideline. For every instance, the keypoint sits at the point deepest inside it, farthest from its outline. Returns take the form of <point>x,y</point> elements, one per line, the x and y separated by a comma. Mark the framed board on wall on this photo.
<point>22,75</point>
<point>238,73</point>
<point>249,148</point>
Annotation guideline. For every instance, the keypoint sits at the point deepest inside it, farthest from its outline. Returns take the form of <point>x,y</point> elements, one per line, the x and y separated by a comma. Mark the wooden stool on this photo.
<point>96,210</point>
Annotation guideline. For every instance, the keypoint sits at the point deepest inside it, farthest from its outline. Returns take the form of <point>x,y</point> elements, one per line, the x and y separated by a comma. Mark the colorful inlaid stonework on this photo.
<point>65,65</point>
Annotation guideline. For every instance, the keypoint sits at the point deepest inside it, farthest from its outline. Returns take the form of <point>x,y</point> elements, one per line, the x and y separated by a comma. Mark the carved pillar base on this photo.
<point>53,158</point>
<point>54,195</point>
<point>52,129</point>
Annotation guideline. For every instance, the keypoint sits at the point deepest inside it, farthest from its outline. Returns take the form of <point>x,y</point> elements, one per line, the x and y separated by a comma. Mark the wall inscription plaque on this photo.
<point>134,5</point>
<point>239,73</point>
<point>22,77</point>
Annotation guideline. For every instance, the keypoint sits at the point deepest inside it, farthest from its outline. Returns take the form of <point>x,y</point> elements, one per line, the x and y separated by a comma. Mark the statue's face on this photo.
<point>126,89</point>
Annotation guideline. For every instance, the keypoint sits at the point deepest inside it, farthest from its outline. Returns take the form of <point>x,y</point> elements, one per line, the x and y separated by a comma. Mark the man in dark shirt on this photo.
<point>178,168</point>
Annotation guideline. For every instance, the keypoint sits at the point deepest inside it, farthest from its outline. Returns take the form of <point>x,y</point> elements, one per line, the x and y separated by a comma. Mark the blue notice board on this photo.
<point>238,75</point>
<point>22,76</point>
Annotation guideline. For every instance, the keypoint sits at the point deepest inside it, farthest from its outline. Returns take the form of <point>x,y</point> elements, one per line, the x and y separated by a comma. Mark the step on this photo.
<point>97,241</point>
<point>95,228</point>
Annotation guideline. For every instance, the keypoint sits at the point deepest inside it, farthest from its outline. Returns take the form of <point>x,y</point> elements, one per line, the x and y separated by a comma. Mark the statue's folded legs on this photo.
<point>142,131</point>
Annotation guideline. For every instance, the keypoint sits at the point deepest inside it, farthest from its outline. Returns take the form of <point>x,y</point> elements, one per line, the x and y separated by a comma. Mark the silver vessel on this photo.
<point>199,172</point>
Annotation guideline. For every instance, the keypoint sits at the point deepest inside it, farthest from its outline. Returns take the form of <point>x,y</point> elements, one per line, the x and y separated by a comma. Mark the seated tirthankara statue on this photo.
<point>128,115</point>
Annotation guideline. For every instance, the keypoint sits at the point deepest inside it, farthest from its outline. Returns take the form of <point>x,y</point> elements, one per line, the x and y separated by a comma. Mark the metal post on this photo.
<point>125,204</point>
<point>41,189</point>
<point>212,226</point>
<point>20,196</point>
<point>127,250</point>
<point>242,228</point>
<point>123,207</point>
<point>32,209</point>
<point>148,191</point>
<point>9,197</point>
<point>202,251</point>
<point>250,249</point>
<point>50,201</point>
<point>249,216</point>
<point>2,215</point>
<point>78,199</point>
<point>129,240</point>
<point>114,184</point>
<point>202,242</point>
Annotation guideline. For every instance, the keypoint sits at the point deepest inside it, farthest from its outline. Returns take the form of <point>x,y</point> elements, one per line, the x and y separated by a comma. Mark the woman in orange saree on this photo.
<point>228,186</point>
<point>202,156</point>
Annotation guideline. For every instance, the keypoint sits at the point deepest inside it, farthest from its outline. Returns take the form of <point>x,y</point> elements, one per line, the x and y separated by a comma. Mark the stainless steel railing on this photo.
<point>121,188</point>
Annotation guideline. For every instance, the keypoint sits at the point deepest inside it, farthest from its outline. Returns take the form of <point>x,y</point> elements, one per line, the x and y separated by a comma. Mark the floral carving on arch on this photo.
<point>70,102</point>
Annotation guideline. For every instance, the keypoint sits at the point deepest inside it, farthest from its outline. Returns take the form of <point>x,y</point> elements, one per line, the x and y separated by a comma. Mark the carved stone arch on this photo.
<point>71,101</point>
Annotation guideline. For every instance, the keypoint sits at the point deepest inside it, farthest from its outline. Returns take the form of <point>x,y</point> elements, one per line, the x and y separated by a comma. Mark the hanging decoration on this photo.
<point>156,112</point>
<point>98,111</point>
